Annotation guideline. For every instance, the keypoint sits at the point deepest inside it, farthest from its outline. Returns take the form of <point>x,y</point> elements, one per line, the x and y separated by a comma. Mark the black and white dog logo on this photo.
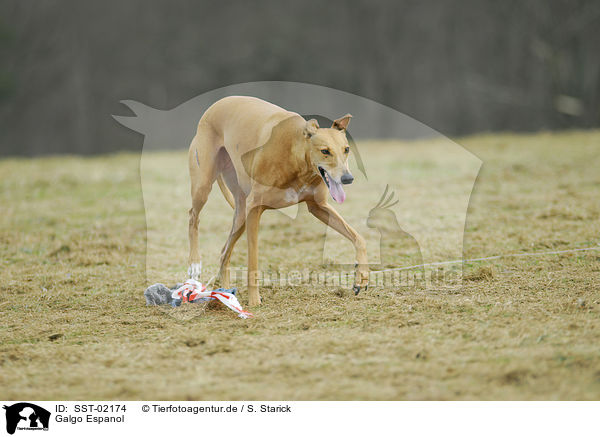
<point>26,416</point>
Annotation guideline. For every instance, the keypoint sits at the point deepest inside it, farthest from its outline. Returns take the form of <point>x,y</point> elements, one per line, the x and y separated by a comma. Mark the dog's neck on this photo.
<point>284,161</point>
<point>306,173</point>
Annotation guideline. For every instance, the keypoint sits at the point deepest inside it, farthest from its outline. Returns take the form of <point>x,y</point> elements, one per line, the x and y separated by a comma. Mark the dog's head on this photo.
<point>328,149</point>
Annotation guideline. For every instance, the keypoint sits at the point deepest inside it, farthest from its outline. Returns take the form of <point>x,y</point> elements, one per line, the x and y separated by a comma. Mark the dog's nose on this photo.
<point>347,178</point>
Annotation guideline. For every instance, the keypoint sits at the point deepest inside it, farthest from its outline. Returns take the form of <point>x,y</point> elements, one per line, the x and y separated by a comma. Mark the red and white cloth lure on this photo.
<point>192,290</point>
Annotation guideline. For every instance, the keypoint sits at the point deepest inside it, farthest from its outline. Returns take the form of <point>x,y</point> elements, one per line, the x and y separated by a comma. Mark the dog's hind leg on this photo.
<point>203,172</point>
<point>237,229</point>
<point>252,221</point>
<point>230,185</point>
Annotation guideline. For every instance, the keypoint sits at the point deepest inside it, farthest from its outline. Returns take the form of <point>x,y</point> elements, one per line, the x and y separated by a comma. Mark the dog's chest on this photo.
<point>293,195</point>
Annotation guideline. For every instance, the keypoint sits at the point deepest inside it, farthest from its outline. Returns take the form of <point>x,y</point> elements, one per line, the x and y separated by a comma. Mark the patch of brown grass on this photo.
<point>482,273</point>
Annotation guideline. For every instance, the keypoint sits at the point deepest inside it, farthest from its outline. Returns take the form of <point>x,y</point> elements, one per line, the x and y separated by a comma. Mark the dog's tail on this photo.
<point>225,190</point>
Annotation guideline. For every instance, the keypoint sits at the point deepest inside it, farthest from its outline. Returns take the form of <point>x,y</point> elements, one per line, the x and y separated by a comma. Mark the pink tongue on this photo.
<point>336,190</point>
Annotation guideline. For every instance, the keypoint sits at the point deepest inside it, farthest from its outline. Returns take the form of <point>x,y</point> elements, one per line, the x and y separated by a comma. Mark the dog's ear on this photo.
<point>310,128</point>
<point>342,122</point>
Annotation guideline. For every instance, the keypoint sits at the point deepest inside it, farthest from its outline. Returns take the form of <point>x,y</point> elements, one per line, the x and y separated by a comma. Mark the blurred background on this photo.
<point>460,67</point>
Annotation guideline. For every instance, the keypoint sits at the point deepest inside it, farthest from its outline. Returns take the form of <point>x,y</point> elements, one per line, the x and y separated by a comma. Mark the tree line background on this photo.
<point>458,66</point>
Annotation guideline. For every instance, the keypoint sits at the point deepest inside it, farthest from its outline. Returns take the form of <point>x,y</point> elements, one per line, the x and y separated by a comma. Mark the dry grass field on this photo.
<point>74,324</point>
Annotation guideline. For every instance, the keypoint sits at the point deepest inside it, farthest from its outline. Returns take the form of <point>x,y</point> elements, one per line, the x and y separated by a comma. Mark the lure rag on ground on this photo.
<point>192,291</point>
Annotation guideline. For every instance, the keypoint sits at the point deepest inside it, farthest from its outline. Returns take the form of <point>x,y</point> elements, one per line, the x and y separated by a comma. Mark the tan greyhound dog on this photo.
<point>265,157</point>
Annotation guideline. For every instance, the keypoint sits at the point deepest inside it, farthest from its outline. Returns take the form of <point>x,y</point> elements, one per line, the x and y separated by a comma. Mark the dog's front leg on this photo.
<point>329,216</point>
<point>252,222</point>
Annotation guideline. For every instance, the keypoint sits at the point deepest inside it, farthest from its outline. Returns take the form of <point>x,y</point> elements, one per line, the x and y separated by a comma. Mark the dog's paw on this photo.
<point>357,289</point>
<point>195,270</point>
<point>361,278</point>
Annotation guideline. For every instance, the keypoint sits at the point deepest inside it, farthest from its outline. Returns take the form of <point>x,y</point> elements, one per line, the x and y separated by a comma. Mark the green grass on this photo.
<point>74,324</point>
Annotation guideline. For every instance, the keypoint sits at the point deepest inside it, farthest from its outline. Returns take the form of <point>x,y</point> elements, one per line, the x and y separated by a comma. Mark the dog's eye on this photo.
<point>325,152</point>
<point>347,149</point>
